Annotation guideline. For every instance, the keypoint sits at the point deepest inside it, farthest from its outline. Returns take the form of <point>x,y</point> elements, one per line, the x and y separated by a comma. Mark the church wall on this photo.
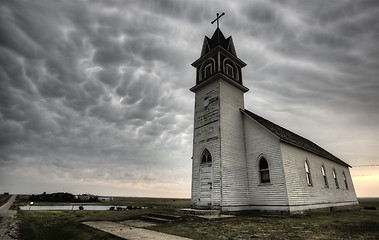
<point>260,142</point>
<point>234,175</point>
<point>301,196</point>
<point>206,135</point>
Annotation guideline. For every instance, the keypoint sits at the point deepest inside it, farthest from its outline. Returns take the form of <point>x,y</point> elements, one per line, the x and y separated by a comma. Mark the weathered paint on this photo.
<point>233,158</point>
<point>206,136</point>
<point>260,142</point>
<point>302,196</point>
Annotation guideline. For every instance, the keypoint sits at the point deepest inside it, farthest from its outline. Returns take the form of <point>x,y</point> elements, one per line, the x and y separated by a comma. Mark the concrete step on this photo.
<point>196,212</point>
<point>156,219</point>
<point>165,216</point>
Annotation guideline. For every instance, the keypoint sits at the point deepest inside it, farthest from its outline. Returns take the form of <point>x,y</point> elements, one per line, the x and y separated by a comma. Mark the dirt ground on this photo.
<point>8,222</point>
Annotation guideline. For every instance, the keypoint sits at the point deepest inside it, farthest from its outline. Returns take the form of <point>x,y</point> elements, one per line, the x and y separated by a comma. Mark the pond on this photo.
<point>76,207</point>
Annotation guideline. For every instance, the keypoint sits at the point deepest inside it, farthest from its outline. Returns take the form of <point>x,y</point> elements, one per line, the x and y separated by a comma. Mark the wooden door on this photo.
<point>206,185</point>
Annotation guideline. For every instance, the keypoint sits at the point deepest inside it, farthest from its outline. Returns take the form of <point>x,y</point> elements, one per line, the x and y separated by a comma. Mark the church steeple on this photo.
<point>218,39</point>
<point>219,160</point>
<point>218,59</point>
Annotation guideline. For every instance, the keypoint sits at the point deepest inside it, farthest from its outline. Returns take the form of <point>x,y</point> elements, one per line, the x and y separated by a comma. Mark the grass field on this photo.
<point>335,225</point>
<point>23,200</point>
<point>4,198</point>
<point>362,224</point>
<point>65,225</point>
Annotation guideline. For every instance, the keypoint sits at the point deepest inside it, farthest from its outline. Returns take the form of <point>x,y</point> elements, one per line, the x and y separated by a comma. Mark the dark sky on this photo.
<point>94,94</point>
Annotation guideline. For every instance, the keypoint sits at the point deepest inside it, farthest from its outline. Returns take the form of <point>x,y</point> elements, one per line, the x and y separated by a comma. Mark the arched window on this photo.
<point>324,176</point>
<point>229,70</point>
<point>344,179</point>
<point>264,171</point>
<point>206,156</point>
<point>208,70</point>
<point>335,178</point>
<point>308,173</point>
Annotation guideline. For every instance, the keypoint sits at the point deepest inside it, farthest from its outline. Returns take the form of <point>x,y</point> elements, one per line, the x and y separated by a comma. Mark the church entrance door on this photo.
<point>206,185</point>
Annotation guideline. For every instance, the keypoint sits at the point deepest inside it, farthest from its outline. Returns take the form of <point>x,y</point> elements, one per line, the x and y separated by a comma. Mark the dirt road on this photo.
<point>8,223</point>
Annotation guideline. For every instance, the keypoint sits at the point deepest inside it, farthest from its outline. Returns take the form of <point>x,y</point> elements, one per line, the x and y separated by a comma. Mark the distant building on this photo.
<point>105,199</point>
<point>242,161</point>
<point>83,197</point>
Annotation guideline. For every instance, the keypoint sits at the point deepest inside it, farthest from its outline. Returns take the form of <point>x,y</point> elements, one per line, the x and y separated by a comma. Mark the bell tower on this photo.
<point>218,55</point>
<point>219,174</point>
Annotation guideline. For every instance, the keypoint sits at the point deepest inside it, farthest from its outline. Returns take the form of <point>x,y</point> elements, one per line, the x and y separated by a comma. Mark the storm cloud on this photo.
<point>94,95</point>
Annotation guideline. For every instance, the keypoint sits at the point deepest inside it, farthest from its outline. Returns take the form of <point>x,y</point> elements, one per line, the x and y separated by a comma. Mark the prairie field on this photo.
<point>4,198</point>
<point>363,224</point>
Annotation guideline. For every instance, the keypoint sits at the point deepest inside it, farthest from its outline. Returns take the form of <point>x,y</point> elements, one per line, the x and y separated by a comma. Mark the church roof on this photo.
<point>294,139</point>
<point>217,39</point>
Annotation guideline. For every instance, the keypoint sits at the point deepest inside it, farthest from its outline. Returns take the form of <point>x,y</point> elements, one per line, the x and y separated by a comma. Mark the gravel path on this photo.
<point>8,223</point>
<point>131,233</point>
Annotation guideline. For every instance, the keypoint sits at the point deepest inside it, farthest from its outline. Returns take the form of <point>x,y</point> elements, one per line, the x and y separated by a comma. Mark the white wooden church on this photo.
<point>242,161</point>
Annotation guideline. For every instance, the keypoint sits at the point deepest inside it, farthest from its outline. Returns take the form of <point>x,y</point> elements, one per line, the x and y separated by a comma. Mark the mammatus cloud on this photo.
<point>94,97</point>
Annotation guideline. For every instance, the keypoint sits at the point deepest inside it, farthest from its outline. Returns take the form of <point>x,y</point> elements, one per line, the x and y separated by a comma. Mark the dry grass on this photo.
<point>67,224</point>
<point>362,224</point>
<point>4,198</point>
<point>334,225</point>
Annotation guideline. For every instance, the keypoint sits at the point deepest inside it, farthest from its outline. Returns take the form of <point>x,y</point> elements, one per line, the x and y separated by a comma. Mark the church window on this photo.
<point>264,171</point>
<point>324,176</point>
<point>208,70</point>
<point>230,70</point>
<point>308,173</point>
<point>206,156</point>
<point>335,178</point>
<point>344,179</point>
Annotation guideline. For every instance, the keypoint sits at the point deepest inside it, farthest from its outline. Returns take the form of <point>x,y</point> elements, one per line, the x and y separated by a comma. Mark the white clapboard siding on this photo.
<point>260,142</point>
<point>300,193</point>
<point>233,158</point>
<point>206,135</point>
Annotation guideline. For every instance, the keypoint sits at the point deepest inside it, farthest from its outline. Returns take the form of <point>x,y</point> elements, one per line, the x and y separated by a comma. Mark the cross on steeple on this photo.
<point>217,18</point>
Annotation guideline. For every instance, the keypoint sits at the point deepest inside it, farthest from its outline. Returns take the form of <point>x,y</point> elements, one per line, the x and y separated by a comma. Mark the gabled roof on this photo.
<point>217,39</point>
<point>293,139</point>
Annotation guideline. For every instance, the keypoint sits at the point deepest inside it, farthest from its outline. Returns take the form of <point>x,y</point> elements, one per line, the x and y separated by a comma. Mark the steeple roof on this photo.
<point>218,39</point>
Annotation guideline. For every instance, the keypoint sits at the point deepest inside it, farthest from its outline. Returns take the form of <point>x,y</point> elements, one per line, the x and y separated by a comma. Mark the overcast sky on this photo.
<point>94,94</point>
